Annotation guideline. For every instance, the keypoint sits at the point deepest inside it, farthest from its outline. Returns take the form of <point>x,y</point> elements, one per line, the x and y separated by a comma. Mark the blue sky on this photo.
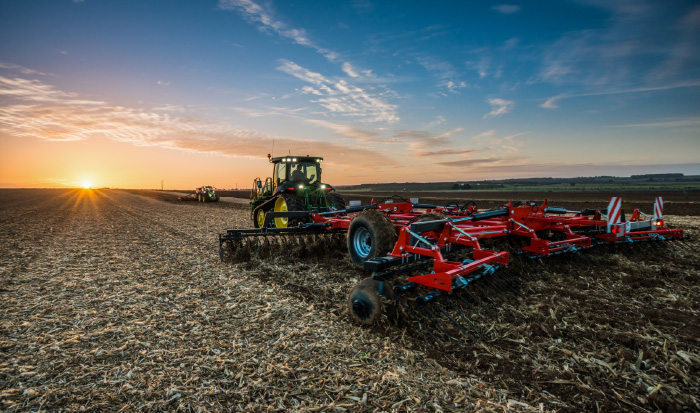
<point>127,93</point>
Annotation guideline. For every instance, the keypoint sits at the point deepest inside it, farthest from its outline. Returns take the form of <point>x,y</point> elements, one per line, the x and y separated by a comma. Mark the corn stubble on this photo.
<point>119,301</point>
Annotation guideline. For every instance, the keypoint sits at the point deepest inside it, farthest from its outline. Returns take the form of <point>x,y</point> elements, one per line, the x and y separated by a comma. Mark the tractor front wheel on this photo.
<point>284,203</point>
<point>259,218</point>
<point>371,234</point>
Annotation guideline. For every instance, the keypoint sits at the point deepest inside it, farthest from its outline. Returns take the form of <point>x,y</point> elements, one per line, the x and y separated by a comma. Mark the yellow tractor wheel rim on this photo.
<point>281,206</point>
<point>260,218</point>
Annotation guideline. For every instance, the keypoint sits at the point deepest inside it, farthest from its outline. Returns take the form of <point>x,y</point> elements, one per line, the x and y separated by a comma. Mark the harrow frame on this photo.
<point>429,246</point>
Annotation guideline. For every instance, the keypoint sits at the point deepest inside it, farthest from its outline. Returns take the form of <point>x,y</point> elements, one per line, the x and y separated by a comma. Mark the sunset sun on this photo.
<point>87,184</point>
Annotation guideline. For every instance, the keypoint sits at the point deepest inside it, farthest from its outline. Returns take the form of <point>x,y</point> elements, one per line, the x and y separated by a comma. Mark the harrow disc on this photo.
<point>364,304</point>
<point>226,251</point>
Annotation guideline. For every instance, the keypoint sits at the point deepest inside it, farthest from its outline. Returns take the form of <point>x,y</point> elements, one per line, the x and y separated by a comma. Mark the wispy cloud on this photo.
<point>504,144</point>
<point>36,91</point>
<point>350,131</point>
<point>499,107</point>
<point>481,66</point>
<point>445,152</point>
<point>666,124</point>
<point>341,98</point>
<point>421,142</point>
<point>506,8</point>
<point>350,70</point>
<point>439,120</point>
<point>442,70</point>
<point>337,97</point>
<point>491,161</point>
<point>644,43</point>
<point>551,103</point>
<point>34,109</point>
<point>268,22</point>
<point>21,69</point>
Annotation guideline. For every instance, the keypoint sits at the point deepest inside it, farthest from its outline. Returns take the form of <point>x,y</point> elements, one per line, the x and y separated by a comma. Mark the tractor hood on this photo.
<point>290,187</point>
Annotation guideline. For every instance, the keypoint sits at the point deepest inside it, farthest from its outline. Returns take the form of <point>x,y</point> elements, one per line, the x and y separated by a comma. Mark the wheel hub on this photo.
<point>362,309</point>
<point>363,242</point>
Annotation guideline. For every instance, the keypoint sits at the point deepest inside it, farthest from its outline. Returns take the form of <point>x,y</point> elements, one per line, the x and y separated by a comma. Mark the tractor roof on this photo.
<point>290,158</point>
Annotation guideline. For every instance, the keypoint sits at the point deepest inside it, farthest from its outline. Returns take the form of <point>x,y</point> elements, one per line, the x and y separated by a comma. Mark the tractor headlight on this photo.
<point>301,186</point>
<point>294,159</point>
<point>323,187</point>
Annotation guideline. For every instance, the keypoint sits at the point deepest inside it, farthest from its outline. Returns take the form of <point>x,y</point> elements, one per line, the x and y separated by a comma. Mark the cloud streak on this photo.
<point>34,109</point>
<point>644,43</point>
<point>550,103</point>
<point>349,131</point>
<point>667,124</point>
<point>337,97</point>
<point>257,14</point>
<point>506,8</point>
<point>340,97</point>
<point>444,72</point>
<point>499,107</point>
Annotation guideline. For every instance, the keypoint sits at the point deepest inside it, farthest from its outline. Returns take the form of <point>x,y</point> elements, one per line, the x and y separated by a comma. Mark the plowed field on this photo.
<point>117,300</point>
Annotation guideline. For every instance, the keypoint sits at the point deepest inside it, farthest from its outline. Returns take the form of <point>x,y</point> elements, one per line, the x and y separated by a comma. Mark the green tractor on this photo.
<point>295,185</point>
<point>206,194</point>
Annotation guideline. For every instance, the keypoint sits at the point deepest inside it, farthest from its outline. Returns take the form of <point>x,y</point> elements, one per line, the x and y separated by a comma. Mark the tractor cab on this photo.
<point>290,174</point>
<point>295,172</point>
<point>295,185</point>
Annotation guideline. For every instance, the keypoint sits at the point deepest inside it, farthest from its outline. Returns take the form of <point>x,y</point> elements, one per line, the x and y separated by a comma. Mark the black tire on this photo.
<point>371,234</point>
<point>258,217</point>
<point>288,202</point>
<point>336,201</point>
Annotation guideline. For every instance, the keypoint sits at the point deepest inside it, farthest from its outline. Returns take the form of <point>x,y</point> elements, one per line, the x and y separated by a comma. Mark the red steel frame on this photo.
<point>521,221</point>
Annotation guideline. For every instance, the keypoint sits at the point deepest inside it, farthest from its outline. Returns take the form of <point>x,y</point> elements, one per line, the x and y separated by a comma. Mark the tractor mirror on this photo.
<point>311,178</point>
<point>259,184</point>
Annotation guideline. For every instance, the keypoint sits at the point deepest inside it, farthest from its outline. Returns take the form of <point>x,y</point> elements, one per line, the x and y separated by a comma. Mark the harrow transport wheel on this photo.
<point>336,201</point>
<point>364,304</point>
<point>284,203</point>
<point>371,234</point>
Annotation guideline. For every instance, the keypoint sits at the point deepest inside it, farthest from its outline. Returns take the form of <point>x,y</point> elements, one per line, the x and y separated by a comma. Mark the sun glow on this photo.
<point>87,184</point>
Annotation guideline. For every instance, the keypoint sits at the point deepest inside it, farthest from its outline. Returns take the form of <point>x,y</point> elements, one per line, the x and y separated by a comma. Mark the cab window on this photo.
<point>305,172</point>
<point>280,172</point>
